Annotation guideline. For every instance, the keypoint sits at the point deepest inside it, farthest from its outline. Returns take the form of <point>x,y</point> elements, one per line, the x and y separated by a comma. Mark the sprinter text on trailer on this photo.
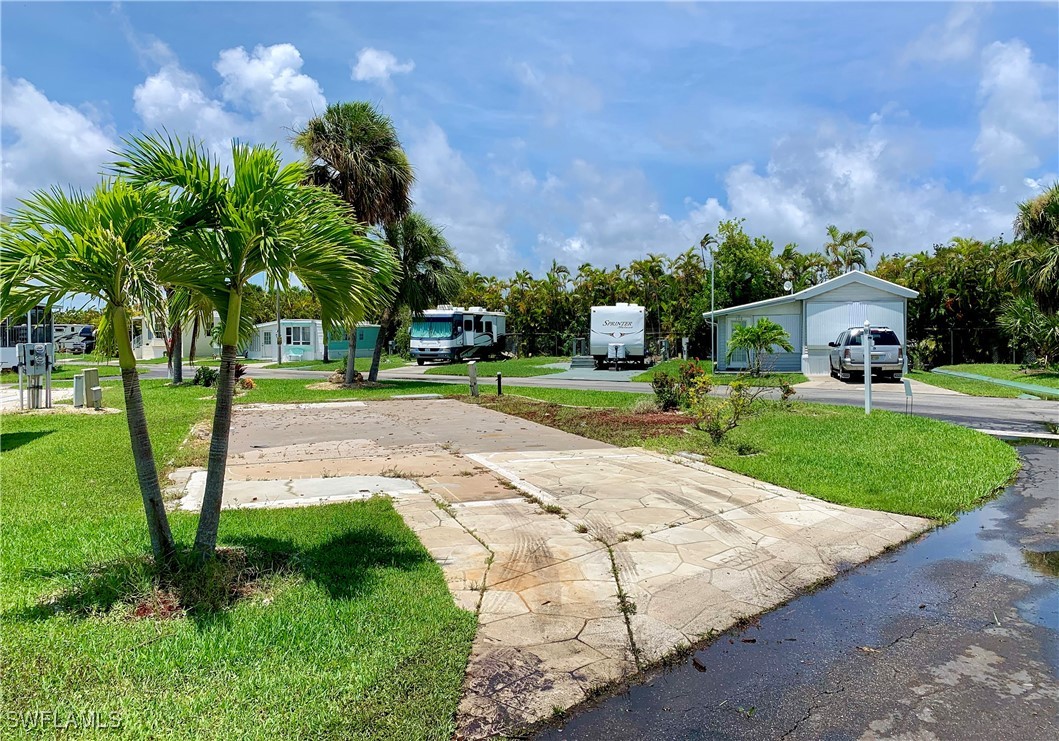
<point>617,334</point>
<point>451,333</point>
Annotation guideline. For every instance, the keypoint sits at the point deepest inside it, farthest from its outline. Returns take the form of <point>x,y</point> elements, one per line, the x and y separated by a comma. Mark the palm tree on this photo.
<point>353,150</point>
<point>105,245</point>
<point>858,245</point>
<point>758,340</point>
<point>430,274</point>
<point>847,250</point>
<point>259,220</point>
<point>1037,227</point>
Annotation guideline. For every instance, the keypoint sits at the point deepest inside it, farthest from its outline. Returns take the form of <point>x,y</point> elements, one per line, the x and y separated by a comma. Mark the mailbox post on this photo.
<point>866,344</point>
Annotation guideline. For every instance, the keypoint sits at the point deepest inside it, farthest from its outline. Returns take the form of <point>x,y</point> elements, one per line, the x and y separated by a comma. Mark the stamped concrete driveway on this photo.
<point>584,563</point>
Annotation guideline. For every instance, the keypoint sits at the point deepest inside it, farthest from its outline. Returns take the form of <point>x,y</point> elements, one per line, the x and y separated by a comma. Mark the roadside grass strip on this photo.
<point>328,621</point>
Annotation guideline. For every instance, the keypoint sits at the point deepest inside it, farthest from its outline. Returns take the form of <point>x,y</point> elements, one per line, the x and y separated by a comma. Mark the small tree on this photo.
<point>258,220</point>
<point>758,340</point>
<point>106,245</point>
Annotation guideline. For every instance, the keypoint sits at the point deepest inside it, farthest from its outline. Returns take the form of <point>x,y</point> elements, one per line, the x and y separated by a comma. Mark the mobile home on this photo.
<point>815,316</point>
<point>303,339</point>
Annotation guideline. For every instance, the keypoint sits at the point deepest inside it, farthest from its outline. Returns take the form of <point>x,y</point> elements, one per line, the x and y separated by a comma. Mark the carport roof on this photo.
<point>855,276</point>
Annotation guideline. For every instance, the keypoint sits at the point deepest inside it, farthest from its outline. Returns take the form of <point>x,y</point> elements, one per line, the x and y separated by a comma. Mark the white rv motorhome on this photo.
<point>451,333</point>
<point>617,334</point>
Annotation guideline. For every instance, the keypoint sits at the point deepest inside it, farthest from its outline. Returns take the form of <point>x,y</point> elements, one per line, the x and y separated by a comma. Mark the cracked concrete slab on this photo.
<point>584,563</point>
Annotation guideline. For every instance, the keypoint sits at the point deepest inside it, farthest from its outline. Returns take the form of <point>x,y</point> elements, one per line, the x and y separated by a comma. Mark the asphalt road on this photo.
<point>954,636</point>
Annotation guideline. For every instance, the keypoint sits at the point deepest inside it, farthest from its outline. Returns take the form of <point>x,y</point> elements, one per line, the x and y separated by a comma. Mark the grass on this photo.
<point>62,373</point>
<point>355,635</point>
<point>362,364</point>
<point>672,367</point>
<point>1004,372</point>
<point>1010,372</point>
<point>918,466</point>
<point>513,368</point>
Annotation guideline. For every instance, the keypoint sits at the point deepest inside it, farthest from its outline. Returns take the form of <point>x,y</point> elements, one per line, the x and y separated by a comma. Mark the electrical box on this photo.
<point>36,357</point>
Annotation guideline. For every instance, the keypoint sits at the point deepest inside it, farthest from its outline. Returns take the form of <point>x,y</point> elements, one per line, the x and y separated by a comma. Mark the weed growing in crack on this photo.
<point>581,528</point>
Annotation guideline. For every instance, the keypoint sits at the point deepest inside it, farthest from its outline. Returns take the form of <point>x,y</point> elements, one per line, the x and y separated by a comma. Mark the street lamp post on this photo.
<point>708,240</point>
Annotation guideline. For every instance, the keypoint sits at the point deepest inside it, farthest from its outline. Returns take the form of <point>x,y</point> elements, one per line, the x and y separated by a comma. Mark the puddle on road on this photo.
<point>864,610</point>
<point>1045,562</point>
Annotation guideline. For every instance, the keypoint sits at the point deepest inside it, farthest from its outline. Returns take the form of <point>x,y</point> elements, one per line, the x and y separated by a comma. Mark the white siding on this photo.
<point>825,320</point>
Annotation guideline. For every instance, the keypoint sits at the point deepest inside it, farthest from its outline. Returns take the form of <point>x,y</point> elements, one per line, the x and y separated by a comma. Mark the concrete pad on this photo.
<point>464,427</point>
<point>295,493</point>
<point>691,548</point>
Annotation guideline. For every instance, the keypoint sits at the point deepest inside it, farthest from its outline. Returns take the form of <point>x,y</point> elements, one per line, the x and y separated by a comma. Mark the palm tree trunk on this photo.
<point>351,356</point>
<point>176,353</point>
<point>210,516</point>
<point>380,342</point>
<point>162,545</point>
<point>194,340</point>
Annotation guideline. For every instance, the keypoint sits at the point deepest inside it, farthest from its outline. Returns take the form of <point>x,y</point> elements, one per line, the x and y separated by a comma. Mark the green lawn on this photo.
<point>513,368</point>
<point>355,636</point>
<point>62,372</point>
<point>87,358</point>
<point>916,465</point>
<point>361,364</point>
<point>972,387</point>
<point>672,367</point>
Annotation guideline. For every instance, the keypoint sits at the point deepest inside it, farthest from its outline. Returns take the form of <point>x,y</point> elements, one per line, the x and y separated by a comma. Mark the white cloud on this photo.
<point>269,85</point>
<point>856,179</point>
<point>449,193</point>
<point>263,95</point>
<point>50,143</point>
<point>560,93</point>
<point>1018,114</point>
<point>379,65</point>
<point>953,40</point>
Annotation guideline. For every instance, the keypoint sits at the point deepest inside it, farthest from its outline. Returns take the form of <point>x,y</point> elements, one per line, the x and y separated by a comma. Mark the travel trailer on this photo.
<point>451,333</point>
<point>617,334</point>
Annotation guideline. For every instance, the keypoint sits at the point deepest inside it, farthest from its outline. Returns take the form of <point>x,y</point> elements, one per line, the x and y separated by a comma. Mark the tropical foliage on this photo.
<point>354,151</point>
<point>109,245</point>
<point>429,274</point>
<point>759,340</point>
<point>258,220</point>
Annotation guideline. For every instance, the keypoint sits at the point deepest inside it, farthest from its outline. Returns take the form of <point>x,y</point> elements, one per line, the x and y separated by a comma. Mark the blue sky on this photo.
<point>579,132</point>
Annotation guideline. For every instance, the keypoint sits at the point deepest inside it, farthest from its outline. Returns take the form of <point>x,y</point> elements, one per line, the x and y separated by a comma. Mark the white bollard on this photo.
<point>472,375</point>
<point>866,344</point>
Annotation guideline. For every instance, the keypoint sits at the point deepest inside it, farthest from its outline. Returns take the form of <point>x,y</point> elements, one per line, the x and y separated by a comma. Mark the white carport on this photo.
<point>816,316</point>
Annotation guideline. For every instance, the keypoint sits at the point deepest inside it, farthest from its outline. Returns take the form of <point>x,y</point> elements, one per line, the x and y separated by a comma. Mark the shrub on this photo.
<point>240,370</point>
<point>697,395</point>
<point>666,393</point>
<point>205,376</point>
<point>645,405</point>
<point>247,383</point>
<point>689,373</point>
<point>718,419</point>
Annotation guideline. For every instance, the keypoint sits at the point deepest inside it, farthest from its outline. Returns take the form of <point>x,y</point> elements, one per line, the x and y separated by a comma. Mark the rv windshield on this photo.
<point>435,328</point>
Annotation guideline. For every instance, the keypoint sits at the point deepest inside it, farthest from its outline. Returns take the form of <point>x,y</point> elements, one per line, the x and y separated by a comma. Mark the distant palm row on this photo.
<point>1006,292</point>
<point>169,235</point>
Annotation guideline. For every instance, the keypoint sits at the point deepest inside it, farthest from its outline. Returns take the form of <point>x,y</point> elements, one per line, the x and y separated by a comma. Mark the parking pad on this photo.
<point>584,563</point>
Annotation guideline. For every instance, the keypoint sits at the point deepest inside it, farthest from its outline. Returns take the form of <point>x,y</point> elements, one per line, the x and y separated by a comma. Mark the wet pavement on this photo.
<point>952,636</point>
